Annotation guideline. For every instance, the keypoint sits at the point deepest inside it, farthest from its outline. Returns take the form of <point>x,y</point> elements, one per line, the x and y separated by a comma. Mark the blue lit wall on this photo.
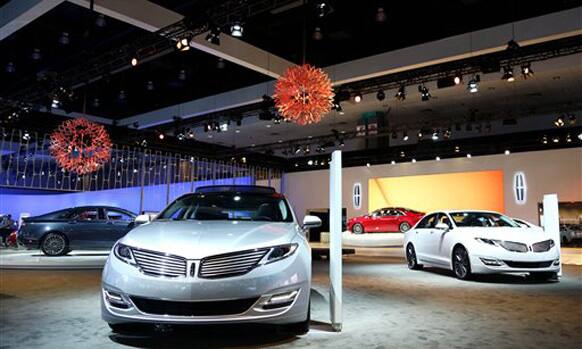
<point>35,202</point>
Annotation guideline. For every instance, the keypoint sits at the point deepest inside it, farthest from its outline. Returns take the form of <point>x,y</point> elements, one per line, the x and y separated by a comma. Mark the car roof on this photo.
<point>256,189</point>
<point>457,211</point>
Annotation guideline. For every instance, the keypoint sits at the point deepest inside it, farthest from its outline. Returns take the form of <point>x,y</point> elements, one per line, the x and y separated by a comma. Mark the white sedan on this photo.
<point>480,242</point>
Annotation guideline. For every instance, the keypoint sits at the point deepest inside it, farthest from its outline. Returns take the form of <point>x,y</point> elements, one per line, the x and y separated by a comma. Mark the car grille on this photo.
<point>514,246</point>
<point>542,246</point>
<point>528,265</point>
<point>159,264</point>
<point>176,308</point>
<point>231,264</point>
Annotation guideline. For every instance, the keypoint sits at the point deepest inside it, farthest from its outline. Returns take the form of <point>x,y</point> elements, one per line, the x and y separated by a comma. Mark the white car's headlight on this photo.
<point>279,252</point>
<point>124,254</point>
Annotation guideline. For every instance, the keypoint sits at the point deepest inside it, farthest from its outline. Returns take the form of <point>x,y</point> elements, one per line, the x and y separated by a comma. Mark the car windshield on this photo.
<point>229,206</point>
<point>483,219</point>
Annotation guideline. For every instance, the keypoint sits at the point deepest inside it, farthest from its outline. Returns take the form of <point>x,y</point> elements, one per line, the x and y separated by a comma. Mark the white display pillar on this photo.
<point>335,239</point>
<point>552,222</point>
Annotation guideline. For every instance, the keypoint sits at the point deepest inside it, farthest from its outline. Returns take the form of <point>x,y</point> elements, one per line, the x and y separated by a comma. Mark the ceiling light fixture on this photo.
<point>508,74</point>
<point>380,95</point>
<point>357,97</point>
<point>473,85</point>
<point>526,71</point>
<point>236,30</point>
<point>401,94</point>
<point>458,79</point>
<point>424,93</point>
<point>559,122</point>
<point>507,152</point>
<point>183,44</point>
<point>405,136</point>
<point>213,35</point>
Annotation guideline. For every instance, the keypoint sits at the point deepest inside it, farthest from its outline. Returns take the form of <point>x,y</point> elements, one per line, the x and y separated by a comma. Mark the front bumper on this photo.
<point>290,275</point>
<point>515,262</point>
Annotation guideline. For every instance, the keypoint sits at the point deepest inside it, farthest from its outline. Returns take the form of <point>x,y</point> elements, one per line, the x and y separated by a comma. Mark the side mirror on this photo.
<point>143,218</point>
<point>442,226</point>
<point>311,222</point>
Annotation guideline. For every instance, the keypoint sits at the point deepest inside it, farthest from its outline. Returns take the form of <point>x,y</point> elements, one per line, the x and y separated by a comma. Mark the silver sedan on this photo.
<point>220,255</point>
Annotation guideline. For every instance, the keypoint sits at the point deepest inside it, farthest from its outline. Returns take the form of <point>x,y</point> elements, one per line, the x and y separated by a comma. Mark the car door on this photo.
<point>422,236</point>
<point>373,223</point>
<point>86,227</point>
<point>119,222</point>
<point>390,220</point>
<point>436,240</point>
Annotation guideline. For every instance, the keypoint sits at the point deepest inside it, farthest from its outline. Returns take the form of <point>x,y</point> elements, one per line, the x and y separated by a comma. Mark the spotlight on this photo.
<point>10,68</point>
<point>526,70</point>
<point>26,135</point>
<point>469,155</point>
<point>580,136</point>
<point>380,15</point>
<point>405,136</point>
<point>213,36</point>
<point>341,142</point>
<point>322,9</point>
<point>317,34</point>
<point>559,122</point>
<point>134,61</point>
<point>338,107</point>
<point>447,134</point>
<point>64,38</point>
<point>223,127</point>
<point>150,85</point>
<point>220,64</point>
<point>473,85</point>
<point>180,136</point>
<point>420,134</point>
<point>307,150</point>
<point>435,135</point>
<point>183,44</point>
<point>457,149</point>
<point>100,21</point>
<point>508,74</point>
<point>413,160</point>
<point>392,162</point>
<point>161,136</point>
<point>568,138</point>
<point>438,158</point>
<point>556,139</point>
<point>458,79</point>
<point>545,139</point>
<point>402,154</point>
<point>401,94</point>
<point>424,93</point>
<point>367,164</point>
<point>572,119</point>
<point>236,30</point>
<point>380,95</point>
<point>207,127</point>
<point>357,97</point>
<point>507,152</point>
<point>36,55</point>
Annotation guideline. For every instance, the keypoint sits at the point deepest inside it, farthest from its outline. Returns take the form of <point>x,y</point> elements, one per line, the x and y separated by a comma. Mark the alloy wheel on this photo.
<point>54,244</point>
<point>358,228</point>
<point>404,227</point>
<point>461,265</point>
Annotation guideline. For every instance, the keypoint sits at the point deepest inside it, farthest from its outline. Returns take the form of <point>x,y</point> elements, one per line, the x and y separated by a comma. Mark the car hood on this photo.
<point>199,239</point>
<point>524,235</point>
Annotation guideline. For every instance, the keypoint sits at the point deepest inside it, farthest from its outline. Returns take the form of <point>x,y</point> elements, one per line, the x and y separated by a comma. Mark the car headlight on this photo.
<point>123,253</point>
<point>279,252</point>
<point>491,242</point>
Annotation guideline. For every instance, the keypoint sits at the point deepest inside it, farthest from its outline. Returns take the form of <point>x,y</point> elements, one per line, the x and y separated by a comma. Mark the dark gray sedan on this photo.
<point>79,228</point>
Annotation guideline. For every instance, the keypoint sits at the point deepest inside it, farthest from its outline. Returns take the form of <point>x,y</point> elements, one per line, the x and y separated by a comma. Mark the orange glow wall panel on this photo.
<point>481,190</point>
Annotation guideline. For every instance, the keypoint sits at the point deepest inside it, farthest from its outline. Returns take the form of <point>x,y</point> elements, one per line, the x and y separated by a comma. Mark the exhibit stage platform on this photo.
<point>35,259</point>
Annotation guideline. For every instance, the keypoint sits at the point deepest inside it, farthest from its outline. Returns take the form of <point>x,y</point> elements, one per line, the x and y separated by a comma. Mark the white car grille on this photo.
<point>159,264</point>
<point>231,264</point>
<point>542,246</point>
<point>514,246</point>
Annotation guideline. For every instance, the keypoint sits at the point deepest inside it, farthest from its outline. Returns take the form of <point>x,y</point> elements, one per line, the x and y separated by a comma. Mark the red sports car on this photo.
<point>389,219</point>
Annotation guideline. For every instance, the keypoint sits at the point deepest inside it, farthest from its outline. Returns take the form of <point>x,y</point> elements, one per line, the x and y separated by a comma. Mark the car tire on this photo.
<point>358,229</point>
<point>299,328</point>
<point>565,240</point>
<point>411,258</point>
<point>461,263</point>
<point>129,328</point>
<point>54,244</point>
<point>544,276</point>
<point>404,227</point>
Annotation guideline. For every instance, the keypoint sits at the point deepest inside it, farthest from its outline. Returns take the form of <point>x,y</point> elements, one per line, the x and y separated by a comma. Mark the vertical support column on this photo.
<point>552,222</point>
<point>142,182</point>
<point>335,239</point>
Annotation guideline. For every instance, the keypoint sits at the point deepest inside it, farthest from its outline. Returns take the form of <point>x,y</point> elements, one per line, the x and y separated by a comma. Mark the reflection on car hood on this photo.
<point>524,235</point>
<point>198,239</point>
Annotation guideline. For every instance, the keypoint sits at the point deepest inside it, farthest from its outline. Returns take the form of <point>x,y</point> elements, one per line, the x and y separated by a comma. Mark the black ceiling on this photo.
<point>350,31</point>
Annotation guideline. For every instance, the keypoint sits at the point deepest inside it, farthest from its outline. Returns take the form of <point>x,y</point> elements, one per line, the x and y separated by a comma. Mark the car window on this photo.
<point>482,219</point>
<point>428,222</point>
<point>90,214</point>
<point>443,218</point>
<point>118,216</point>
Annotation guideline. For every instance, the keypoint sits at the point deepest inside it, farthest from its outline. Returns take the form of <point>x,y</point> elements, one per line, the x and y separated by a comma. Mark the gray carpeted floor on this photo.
<point>385,306</point>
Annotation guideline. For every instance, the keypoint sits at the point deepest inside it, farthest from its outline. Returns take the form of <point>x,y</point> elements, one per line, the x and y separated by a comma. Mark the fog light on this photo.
<point>557,262</point>
<point>115,299</point>
<point>280,300</point>
<point>492,262</point>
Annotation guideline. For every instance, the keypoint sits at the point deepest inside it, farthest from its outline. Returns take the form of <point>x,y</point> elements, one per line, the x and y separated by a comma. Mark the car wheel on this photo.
<point>129,328</point>
<point>54,244</point>
<point>544,276</point>
<point>461,263</point>
<point>358,229</point>
<point>404,227</point>
<point>565,240</point>
<point>299,328</point>
<point>411,258</point>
